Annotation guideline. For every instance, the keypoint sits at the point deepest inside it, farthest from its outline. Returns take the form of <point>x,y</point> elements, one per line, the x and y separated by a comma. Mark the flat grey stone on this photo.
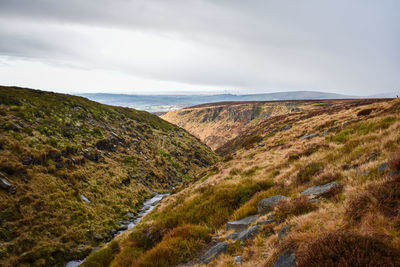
<point>269,221</point>
<point>286,127</point>
<point>309,136</point>
<point>287,259</point>
<point>330,130</point>
<point>319,190</point>
<point>241,224</point>
<point>268,204</point>
<point>248,234</point>
<point>238,259</point>
<point>213,252</point>
<point>6,185</point>
<point>232,236</point>
<point>383,167</point>
<point>283,232</point>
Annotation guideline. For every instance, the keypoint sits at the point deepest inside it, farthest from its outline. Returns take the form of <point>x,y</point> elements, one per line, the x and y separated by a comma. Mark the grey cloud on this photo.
<point>319,44</point>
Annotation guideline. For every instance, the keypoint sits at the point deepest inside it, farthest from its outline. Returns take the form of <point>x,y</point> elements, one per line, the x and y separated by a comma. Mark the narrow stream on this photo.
<point>148,206</point>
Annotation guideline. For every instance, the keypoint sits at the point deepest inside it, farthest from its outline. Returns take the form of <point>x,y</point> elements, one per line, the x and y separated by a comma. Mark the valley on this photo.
<point>290,182</point>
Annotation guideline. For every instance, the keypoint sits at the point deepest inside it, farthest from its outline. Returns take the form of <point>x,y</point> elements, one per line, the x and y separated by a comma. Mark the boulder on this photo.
<point>283,232</point>
<point>263,222</point>
<point>241,224</point>
<point>287,259</point>
<point>286,127</point>
<point>6,185</point>
<point>268,204</point>
<point>248,234</point>
<point>233,236</point>
<point>383,167</point>
<point>320,190</point>
<point>213,252</point>
<point>330,130</point>
<point>309,136</point>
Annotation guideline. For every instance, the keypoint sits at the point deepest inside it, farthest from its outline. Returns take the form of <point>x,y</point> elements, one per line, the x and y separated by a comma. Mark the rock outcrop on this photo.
<point>321,190</point>
<point>241,224</point>
<point>268,204</point>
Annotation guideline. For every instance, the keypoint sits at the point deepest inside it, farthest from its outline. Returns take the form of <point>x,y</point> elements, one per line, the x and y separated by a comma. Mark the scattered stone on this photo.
<point>309,136</point>
<point>283,232</point>
<point>320,190</point>
<point>286,127</point>
<point>268,204</point>
<point>296,110</point>
<point>130,215</point>
<point>261,145</point>
<point>383,167</point>
<point>6,185</point>
<point>394,173</point>
<point>314,200</point>
<point>329,131</point>
<point>213,252</point>
<point>85,199</point>
<point>232,236</point>
<point>238,259</point>
<point>248,234</point>
<point>287,259</point>
<point>28,160</point>
<point>269,221</point>
<point>241,224</point>
<point>274,130</point>
<point>344,124</point>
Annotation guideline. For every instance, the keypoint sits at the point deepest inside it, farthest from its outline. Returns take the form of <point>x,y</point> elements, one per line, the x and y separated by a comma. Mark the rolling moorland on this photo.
<point>73,172</point>
<point>217,123</point>
<point>165,103</point>
<point>313,188</point>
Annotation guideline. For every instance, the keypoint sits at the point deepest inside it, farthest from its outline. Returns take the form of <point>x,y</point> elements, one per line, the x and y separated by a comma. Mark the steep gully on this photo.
<point>148,206</point>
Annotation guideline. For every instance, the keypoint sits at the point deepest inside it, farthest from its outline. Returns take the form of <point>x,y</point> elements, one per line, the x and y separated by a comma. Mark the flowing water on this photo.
<point>148,206</point>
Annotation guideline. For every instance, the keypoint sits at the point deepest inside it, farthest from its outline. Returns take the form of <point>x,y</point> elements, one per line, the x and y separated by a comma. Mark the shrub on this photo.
<point>383,197</point>
<point>304,175</point>
<point>341,137</point>
<point>249,142</point>
<point>102,257</point>
<point>341,248</point>
<point>294,207</point>
<point>250,207</point>
<point>394,161</point>
<point>178,246</point>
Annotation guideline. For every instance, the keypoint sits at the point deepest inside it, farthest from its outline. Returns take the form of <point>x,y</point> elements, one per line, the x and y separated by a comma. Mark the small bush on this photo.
<point>341,248</point>
<point>249,142</point>
<point>102,257</point>
<point>394,161</point>
<point>383,197</point>
<point>342,137</point>
<point>305,174</point>
<point>178,246</point>
<point>250,207</point>
<point>294,207</point>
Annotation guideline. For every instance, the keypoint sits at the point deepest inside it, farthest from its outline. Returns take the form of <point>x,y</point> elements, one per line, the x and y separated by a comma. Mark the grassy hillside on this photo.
<point>218,123</point>
<point>72,169</point>
<point>356,145</point>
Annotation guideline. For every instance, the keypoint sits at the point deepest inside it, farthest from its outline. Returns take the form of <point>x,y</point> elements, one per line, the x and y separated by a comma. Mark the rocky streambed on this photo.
<point>148,206</point>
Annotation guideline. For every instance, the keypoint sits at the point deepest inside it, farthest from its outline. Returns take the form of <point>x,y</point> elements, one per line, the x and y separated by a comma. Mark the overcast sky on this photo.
<point>167,46</point>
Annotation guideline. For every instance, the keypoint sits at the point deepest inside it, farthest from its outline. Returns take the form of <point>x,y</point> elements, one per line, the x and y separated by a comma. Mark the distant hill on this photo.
<point>165,103</point>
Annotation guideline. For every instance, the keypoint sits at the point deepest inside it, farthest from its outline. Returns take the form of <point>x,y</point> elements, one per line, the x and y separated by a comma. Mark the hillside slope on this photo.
<point>218,123</point>
<point>334,181</point>
<point>71,170</point>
